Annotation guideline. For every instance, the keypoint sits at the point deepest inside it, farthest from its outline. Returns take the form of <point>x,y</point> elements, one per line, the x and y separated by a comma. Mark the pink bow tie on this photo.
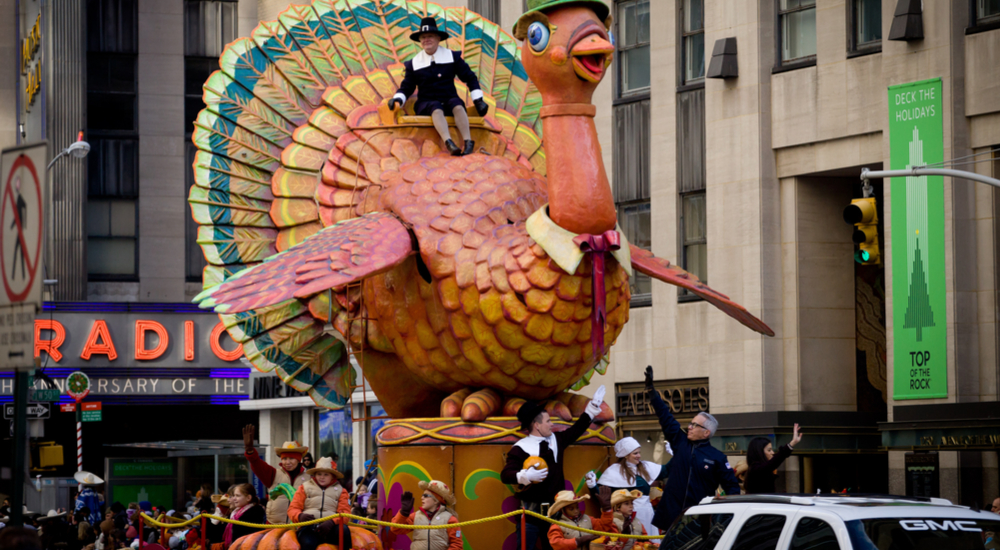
<point>596,246</point>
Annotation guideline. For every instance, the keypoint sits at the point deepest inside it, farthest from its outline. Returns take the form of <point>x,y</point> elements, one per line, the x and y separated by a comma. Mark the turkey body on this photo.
<point>491,309</point>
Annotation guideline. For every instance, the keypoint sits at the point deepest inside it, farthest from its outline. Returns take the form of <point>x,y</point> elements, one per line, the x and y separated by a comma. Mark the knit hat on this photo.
<point>440,490</point>
<point>624,495</point>
<point>625,446</point>
<point>528,411</point>
<point>325,464</point>
<point>564,499</point>
<point>291,448</point>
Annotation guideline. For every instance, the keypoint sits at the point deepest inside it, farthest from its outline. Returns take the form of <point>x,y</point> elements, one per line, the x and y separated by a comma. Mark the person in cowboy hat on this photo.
<point>433,72</point>
<point>319,497</point>
<point>437,507</point>
<point>539,486</point>
<point>291,472</point>
<point>566,509</point>
<point>632,472</point>
<point>89,497</point>
<point>624,516</point>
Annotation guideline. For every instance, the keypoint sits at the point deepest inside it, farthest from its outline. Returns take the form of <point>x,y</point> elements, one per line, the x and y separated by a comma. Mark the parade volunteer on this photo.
<point>291,472</point>
<point>632,473</point>
<point>437,507</point>
<point>319,497</point>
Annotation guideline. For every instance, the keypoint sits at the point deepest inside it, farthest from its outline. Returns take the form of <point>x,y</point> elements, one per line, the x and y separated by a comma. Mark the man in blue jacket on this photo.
<point>697,467</point>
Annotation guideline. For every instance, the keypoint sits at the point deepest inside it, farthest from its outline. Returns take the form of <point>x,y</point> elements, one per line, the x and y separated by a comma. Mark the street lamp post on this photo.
<point>78,150</point>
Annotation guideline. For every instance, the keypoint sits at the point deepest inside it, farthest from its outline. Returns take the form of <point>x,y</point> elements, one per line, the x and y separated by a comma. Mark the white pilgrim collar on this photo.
<point>531,443</point>
<point>442,56</point>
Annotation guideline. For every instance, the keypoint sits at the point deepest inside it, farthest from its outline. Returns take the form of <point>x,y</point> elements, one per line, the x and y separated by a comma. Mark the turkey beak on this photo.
<point>590,55</point>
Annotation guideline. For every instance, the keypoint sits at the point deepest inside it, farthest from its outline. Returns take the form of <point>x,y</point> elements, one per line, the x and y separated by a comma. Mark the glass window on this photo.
<point>797,21</point>
<point>335,431</point>
<point>194,263</point>
<point>631,184</point>
<point>633,46</point>
<point>489,9</point>
<point>697,532</point>
<point>112,130</point>
<point>866,20</point>
<point>693,32</point>
<point>813,534</point>
<point>987,11</point>
<point>920,533</point>
<point>760,532</point>
<point>693,224</point>
<point>208,27</point>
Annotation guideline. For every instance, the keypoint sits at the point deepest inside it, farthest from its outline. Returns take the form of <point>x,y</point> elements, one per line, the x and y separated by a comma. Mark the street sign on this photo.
<point>67,407</point>
<point>22,169</point>
<point>38,411</point>
<point>43,395</point>
<point>91,412</point>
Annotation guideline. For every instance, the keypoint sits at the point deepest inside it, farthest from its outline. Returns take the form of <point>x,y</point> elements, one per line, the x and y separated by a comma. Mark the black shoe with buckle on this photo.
<point>469,146</point>
<point>452,148</point>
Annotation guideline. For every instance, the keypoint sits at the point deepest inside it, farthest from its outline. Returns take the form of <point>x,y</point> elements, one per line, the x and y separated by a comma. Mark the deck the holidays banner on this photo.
<point>919,334</point>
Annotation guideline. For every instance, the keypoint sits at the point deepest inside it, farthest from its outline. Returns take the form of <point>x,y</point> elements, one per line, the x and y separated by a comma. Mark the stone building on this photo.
<point>735,132</point>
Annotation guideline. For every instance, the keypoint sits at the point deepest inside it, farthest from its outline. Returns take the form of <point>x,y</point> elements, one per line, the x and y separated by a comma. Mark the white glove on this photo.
<point>669,449</point>
<point>532,475</point>
<point>594,407</point>
<point>591,478</point>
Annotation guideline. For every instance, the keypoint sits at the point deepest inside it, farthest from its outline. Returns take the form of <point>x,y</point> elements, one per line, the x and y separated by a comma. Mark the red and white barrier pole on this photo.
<point>79,442</point>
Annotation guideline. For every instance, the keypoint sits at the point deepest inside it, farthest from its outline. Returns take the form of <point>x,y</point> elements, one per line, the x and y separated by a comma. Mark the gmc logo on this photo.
<point>945,525</point>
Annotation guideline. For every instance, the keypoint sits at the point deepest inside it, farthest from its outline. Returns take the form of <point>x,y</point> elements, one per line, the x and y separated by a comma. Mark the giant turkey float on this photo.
<point>335,228</point>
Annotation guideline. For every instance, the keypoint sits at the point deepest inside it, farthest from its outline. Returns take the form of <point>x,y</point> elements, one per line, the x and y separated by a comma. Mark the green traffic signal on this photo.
<point>862,256</point>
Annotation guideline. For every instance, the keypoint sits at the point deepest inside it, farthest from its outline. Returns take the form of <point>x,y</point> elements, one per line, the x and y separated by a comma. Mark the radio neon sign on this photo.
<point>151,340</point>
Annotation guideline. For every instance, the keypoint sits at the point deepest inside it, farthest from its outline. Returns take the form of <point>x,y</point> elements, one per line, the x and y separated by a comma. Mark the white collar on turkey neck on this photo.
<point>442,56</point>
<point>558,242</point>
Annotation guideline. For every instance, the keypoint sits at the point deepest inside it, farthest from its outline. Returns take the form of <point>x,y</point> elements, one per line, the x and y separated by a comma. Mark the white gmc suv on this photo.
<point>832,522</point>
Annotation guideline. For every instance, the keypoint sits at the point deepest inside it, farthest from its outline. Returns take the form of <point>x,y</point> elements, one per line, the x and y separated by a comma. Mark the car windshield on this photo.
<point>923,534</point>
<point>696,532</point>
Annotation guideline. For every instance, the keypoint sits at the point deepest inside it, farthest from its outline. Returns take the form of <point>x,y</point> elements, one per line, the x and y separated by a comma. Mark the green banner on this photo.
<point>143,469</point>
<point>919,333</point>
<point>157,495</point>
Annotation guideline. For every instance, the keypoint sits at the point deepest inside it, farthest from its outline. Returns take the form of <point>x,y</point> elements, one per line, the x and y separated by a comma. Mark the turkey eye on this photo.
<point>538,36</point>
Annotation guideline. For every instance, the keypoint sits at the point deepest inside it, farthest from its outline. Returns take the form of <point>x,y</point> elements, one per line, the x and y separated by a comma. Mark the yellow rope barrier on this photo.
<point>150,521</point>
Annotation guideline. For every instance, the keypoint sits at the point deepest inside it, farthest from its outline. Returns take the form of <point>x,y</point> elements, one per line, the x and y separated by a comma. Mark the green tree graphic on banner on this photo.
<point>918,309</point>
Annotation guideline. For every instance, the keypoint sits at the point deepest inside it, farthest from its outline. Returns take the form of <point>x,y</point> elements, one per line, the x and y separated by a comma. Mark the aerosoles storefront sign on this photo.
<point>134,339</point>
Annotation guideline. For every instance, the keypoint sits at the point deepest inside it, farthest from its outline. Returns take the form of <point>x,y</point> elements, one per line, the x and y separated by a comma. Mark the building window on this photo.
<point>489,9</point>
<point>632,34</point>
<point>987,11</point>
<point>208,27</point>
<point>797,26</point>
<point>112,130</point>
<point>866,26</point>
<point>695,235</point>
<point>691,180</point>
<point>631,185</point>
<point>693,40</point>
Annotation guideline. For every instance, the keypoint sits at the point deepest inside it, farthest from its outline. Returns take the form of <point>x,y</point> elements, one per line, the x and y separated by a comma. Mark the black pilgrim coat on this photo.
<point>545,490</point>
<point>436,82</point>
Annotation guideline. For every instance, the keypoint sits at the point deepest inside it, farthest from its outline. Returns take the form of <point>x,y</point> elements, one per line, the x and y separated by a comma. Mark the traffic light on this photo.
<point>862,214</point>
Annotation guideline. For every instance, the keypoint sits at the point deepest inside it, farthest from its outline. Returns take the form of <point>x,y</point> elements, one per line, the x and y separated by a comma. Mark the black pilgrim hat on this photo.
<point>428,25</point>
<point>527,413</point>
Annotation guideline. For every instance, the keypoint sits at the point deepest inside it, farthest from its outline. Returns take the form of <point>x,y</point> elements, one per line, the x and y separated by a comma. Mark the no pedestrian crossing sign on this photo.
<point>22,170</point>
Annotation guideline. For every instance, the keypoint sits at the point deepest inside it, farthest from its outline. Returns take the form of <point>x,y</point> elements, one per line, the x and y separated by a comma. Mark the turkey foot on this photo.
<point>477,406</point>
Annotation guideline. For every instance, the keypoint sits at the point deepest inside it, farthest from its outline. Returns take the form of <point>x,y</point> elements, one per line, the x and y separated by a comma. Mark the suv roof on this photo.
<point>848,507</point>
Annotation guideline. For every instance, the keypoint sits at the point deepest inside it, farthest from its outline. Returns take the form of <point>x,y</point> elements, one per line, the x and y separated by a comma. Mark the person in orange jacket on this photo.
<point>566,509</point>
<point>437,507</point>
<point>624,517</point>
<point>319,497</point>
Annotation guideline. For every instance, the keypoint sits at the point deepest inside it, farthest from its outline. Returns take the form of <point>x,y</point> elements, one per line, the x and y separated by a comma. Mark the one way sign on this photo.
<point>36,411</point>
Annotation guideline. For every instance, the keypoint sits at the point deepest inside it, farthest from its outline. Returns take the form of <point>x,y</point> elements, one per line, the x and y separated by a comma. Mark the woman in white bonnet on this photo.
<point>632,472</point>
